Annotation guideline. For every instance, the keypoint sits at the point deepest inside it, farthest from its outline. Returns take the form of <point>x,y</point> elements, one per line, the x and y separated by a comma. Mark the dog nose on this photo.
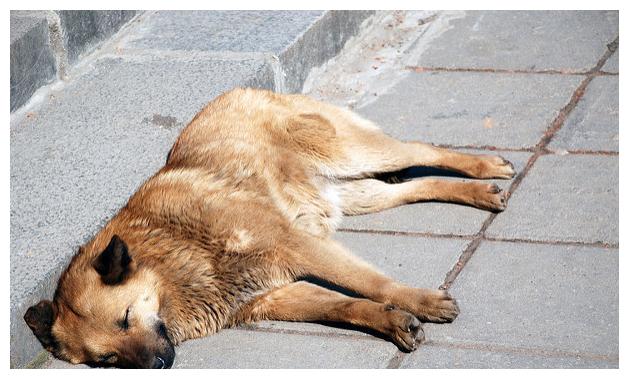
<point>158,362</point>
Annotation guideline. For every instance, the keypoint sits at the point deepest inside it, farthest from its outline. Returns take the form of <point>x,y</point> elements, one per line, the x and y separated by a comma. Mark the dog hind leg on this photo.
<point>365,150</point>
<point>364,196</point>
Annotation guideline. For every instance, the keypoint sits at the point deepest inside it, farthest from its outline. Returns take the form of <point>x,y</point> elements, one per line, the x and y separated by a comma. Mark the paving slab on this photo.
<point>443,356</point>
<point>241,349</point>
<point>542,297</point>
<point>246,349</point>
<point>77,159</point>
<point>612,63</point>
<point>593,124</point>
<point>564,198</point>
<point>479,109</point>
<point>415,261</point>
<point>433,217</point>
<point>524,40</point>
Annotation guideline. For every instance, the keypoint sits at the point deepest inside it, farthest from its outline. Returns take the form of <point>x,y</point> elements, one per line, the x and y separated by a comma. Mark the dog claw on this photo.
<point>408,335</point>
<point>496,167</point>
<point>494,189</point>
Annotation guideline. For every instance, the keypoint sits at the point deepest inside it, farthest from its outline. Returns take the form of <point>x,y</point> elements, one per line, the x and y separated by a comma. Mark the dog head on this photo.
<point>105,312</point>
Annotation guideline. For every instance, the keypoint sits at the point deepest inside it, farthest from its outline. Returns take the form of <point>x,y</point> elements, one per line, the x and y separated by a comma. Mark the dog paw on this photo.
<point>496,167</point>
<point>437,306</point>
<point>405,330</point>
<point>490,197</point>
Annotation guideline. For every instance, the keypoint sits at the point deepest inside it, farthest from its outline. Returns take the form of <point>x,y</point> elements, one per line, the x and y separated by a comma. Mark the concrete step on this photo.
<point>82,146</point>
<point>44,43</point>
<point>32,59</point>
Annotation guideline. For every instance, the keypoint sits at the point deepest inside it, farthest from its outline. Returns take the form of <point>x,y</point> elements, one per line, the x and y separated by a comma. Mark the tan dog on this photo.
<point>243,209</point>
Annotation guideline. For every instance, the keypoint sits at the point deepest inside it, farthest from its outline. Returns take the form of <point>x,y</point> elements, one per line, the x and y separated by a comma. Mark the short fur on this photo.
<point>242,211</point>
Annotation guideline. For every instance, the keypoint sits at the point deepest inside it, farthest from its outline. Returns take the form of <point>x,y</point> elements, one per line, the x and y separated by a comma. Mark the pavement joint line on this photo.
<point>589,152</point>
<point>606,73</point>
<point>554,127</point>
<point>486,147</point>
<point>545,151</point>
<point>407,234</point>
<point>466,255</point>
<point>599,244</point>
<point>420,69</point>
<point>580,152</point>
<point>255,328</point>
<point>520,350</point>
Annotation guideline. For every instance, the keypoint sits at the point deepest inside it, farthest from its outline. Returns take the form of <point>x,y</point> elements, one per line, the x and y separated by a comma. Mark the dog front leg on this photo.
<point>330,261</point>
<point>303,301</point>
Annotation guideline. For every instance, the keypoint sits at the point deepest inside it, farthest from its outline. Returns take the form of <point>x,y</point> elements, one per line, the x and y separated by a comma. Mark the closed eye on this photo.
<point>124,323</point>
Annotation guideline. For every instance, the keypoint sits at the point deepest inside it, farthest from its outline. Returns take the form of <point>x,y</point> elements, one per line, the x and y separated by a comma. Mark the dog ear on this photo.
<point>40,318</point>
<point>114,264</point>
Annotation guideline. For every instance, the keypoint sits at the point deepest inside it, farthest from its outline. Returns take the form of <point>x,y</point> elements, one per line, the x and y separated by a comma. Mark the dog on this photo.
<point>243,211</point>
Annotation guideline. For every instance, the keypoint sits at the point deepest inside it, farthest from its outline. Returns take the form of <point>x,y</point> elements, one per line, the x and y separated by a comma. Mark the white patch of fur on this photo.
<point>140,294</point>
<point>331,195</point>
<point>239,240</point>
<point>145,309</point>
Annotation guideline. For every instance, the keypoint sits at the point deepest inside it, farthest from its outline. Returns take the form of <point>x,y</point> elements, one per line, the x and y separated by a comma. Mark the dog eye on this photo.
<point>108,358</point>
<point>124,324</point>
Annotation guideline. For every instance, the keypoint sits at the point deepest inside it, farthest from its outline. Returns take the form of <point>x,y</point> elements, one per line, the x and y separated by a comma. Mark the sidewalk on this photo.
<point>538,283</point>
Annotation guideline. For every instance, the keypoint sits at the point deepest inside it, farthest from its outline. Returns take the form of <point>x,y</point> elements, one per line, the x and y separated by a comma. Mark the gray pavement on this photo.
<point>537,284</point>
<point>473,108</point>
<point>564,198</point>
<point>593,124</point>
<point>612,64</point>
<point>567,41</point>
<point>542,297</point>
